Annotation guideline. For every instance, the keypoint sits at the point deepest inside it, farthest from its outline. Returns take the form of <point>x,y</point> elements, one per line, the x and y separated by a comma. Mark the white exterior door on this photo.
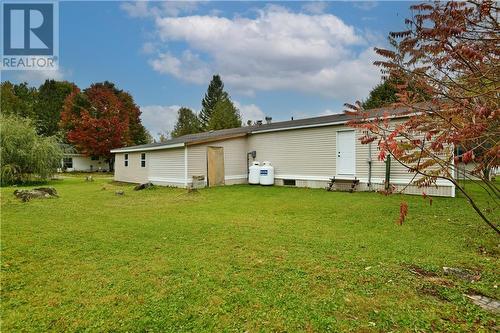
<point>346,153</point>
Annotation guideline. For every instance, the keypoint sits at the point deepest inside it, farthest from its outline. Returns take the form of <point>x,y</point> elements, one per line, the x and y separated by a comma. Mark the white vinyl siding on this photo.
<point>84,163</point>
<point>166,166</point>
<point>307,155</point>
<point>235,159</point>
<point>133,173</point>
<point>308,152</point>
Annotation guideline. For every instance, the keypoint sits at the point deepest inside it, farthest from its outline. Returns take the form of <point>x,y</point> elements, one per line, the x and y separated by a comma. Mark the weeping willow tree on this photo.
<point>26,156</point>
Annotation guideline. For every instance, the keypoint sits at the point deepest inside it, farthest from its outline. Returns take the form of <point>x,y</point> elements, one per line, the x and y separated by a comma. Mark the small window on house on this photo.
<point>68,162</point>
<point>95,158</point>
<point>126,160</point>
<point>143,160</point>
<point>289,182</point>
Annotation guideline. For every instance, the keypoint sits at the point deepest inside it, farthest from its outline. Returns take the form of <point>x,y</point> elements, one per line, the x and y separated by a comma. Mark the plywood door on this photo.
<point>215,166</point>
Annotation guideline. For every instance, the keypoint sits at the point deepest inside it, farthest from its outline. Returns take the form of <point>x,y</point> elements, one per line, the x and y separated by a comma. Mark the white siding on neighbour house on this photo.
<point>235,159</point>
<point>85,163</point>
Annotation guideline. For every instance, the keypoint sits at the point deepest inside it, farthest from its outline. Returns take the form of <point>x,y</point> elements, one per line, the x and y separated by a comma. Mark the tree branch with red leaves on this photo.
<point>447,73</point>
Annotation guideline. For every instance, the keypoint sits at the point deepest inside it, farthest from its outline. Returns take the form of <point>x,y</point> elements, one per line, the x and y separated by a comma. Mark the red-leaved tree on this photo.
<point>96,121</point>
<point>447,71</point>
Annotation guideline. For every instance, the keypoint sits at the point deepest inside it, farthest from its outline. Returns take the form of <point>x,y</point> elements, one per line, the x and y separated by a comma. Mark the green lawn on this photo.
<point>240,258</point>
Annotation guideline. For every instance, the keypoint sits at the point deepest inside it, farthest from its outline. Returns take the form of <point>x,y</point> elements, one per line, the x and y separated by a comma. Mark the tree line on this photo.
<point>38,121</point>
<point>54,106</point>
<point>94,120</point>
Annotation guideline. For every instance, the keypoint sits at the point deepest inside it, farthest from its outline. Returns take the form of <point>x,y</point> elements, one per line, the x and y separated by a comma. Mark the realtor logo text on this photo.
<point>30,36</point>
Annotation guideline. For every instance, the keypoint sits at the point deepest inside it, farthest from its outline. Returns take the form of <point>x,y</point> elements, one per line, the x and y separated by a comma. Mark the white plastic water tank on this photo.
<point>254,173</point>
<point>266,174</point>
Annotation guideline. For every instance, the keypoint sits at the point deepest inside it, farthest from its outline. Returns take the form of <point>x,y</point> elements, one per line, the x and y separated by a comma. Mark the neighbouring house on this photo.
<point>304,152</point>
<point>465,171</point>
<point>74,161</point>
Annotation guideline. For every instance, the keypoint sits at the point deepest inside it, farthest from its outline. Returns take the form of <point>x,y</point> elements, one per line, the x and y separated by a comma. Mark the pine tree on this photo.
<point>225,115</point>
<point>214,94</point>
<point>187,123</point>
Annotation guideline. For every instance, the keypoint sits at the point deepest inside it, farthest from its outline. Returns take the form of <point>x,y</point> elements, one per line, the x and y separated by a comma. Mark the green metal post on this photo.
<point>387,172</point>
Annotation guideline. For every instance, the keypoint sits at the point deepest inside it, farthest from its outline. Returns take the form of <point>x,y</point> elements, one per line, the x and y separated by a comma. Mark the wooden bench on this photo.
<point>334,181</point>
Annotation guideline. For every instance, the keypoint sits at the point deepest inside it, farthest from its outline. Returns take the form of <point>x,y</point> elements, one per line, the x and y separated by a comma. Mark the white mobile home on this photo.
<point>74,161</point>
<point>305,153</point>
<point>79,162</point>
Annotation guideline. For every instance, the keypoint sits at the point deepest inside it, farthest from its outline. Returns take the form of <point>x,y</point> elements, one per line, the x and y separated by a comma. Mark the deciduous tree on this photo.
<point>49,104</point>
<point>26,155</point>
<point>102,118</point>
<point>18,99</point>
<point>96,121</point>
<point>447,68</point>
<point>137,132</point>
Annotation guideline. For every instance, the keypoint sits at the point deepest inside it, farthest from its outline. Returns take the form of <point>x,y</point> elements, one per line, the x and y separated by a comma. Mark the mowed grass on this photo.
<point>240,258</point>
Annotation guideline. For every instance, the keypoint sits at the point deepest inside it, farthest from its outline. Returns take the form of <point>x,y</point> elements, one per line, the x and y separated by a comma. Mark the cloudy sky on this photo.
<point>278,59</point>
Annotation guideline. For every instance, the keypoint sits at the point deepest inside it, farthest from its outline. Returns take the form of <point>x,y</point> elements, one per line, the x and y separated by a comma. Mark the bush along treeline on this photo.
<point>36,122</point>
<point>217,112</point>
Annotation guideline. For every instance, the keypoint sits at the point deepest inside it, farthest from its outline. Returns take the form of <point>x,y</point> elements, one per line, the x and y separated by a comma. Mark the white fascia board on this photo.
<point>298,127</point>
<point>132,149</point>
<point>324,124</point>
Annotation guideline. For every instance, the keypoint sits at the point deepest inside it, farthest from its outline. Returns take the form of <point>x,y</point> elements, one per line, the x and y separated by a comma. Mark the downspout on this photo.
<point>185,166</point>
<point>370,166</point>
<point>248,167</point>
<point>387,172</point>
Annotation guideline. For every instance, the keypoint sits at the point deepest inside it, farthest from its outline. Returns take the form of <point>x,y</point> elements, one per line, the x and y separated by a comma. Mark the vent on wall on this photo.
<point>289,182</point>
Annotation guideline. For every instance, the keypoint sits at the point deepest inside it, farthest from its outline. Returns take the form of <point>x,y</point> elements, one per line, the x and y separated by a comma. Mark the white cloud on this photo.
<point>249,112</point>
<point>175,8</point>
<point>315,7</point>
<point>276,50</point>
<point>327,112</point>
<point>136,8</point>
<point>37,77</point>
<point>159,118</point>
<point>144,8</point>
<point>365,5</point>
<point>188,67</point>
<point>148,48</point>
